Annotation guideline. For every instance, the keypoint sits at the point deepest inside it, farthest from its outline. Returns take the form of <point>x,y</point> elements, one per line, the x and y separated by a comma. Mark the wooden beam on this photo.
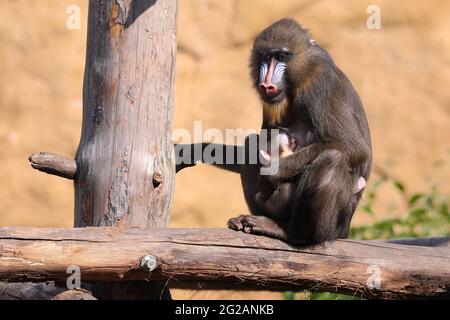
<point>224,259</point>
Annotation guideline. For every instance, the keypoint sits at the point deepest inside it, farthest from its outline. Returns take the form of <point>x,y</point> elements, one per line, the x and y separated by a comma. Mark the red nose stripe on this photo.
<point>268,80</point>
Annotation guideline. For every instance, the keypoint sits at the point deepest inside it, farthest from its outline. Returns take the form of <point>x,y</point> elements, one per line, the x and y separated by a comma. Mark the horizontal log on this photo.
<point>224,259</point>
<point>54,164</point>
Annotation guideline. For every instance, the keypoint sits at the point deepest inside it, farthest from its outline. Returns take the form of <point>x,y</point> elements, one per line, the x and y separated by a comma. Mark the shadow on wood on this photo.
<point>137,7</point>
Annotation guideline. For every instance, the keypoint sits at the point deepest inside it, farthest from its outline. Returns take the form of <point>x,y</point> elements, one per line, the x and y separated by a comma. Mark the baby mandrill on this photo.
<point>276,199</point>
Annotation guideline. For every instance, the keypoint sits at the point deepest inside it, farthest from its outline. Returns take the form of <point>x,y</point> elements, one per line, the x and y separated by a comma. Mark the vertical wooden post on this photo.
<point>125,161</point>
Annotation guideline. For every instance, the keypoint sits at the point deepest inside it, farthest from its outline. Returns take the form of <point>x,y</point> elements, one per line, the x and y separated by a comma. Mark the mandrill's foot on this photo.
<point>257,225</point>
<point>236,224</point>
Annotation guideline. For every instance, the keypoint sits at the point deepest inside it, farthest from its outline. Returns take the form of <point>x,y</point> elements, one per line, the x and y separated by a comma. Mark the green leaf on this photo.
<point>288,295</point>
<point>418,214</point>
<point>415,197</point>
<point>399,186</point>
<point>371,195</point>
<point>367,208</point>
<point>444,210</point>
<point>331,296</point>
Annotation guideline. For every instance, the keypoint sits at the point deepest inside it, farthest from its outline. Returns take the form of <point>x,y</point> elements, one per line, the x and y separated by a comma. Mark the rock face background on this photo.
<point>402,73</point>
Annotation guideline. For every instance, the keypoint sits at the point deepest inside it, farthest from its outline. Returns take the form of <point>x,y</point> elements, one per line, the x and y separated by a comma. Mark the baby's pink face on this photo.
<point>286,147</point>
<point>283,139</point>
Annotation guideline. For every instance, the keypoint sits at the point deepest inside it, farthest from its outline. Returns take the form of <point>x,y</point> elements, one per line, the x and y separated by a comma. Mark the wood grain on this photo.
<point>224,259</point>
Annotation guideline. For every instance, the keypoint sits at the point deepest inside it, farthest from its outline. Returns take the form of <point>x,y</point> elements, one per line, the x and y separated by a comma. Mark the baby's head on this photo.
<point>287,145</point>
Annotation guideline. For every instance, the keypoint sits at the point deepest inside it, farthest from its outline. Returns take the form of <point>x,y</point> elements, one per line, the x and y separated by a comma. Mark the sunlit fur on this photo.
<point>274,113</point>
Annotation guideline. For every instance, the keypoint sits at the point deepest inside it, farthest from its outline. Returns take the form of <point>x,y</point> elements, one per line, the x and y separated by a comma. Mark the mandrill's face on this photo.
<point>271,82</point>
<point>278,57</point>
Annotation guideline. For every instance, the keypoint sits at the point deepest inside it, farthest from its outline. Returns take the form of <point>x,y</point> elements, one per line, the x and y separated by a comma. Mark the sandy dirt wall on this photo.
<point>402,73</point>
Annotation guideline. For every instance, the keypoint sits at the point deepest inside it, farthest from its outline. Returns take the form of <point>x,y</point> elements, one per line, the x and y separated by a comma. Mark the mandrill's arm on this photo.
<point>290,167</point>
<point>223,156</point>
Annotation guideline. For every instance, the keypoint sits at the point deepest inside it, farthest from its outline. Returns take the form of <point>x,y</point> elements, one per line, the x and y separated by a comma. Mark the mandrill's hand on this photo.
<point>182,166</point>
<point>180,161</point>
<point>275,161</point>
<point>278,170</point>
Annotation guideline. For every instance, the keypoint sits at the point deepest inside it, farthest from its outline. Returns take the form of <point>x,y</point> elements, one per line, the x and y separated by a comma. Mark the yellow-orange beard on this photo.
<point>274,113</point>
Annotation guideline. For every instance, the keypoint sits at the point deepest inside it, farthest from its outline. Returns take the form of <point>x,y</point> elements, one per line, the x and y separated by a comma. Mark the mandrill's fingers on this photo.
<point>258,225</point>
<point>285,151</point>
<point>284,148</point>
<point>261,225</point>
<point>182,166</point>
<point>254,224</point>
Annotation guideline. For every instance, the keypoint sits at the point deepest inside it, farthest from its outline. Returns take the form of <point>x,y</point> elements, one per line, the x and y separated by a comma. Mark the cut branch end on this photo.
<point>54,164</point>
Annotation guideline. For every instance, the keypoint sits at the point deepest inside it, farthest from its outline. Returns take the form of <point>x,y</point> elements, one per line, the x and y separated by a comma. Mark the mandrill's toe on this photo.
<point>236,223</point>
<point>251,223</point>
<point>259,225</point>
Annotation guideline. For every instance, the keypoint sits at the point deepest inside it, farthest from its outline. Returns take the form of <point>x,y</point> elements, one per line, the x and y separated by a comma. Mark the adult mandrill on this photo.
<point>320,181</point>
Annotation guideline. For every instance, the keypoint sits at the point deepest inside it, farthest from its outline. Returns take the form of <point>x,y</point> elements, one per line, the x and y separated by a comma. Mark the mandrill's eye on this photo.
<point>283,56</point>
